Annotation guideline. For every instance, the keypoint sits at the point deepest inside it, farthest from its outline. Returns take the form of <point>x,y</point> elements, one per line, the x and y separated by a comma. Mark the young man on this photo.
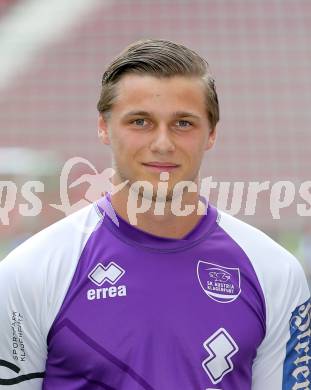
<point>186,297</point>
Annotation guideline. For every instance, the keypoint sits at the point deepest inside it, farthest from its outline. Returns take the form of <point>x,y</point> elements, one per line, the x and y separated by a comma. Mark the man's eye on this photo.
<point>140,122</point>
<point>183,123</point>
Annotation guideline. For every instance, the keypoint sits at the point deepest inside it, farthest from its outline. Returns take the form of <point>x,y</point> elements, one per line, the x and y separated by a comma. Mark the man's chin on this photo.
<point>157,190</point>
<point>153,193</point>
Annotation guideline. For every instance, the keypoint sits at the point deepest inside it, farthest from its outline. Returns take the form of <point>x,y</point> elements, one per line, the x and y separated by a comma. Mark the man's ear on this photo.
<point>211,139</point>
<point>102,128</point>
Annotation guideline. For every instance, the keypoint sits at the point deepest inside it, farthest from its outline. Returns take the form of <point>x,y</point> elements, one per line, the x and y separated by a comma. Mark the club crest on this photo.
<point>222,284</point>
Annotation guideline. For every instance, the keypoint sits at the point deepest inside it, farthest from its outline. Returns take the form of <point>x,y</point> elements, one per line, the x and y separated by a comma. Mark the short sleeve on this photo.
<point>283,358</point>
<point>34,280</point>
<point>22,342</point>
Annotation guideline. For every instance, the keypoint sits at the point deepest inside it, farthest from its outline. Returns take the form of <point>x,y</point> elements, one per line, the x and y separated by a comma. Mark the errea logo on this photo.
<point>111,274</point>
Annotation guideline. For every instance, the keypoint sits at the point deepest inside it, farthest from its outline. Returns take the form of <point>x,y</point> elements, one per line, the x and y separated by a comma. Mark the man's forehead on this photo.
<point>142,79</point>
<point>141,89</point>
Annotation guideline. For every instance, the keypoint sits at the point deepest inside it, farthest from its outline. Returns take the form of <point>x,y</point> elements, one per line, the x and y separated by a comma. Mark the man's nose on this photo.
<point>162,140</point>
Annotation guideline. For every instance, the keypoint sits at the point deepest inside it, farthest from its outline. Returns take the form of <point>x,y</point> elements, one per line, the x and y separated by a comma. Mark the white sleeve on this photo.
<point>34,280</point>
<point>283,358</point>
<point>22,342</point>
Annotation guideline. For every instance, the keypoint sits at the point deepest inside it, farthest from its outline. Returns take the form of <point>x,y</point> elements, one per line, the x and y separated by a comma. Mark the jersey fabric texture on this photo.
<point>93,302</point>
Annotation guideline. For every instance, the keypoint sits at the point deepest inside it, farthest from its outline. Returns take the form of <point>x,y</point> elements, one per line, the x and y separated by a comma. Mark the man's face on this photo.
<point>157,125</point>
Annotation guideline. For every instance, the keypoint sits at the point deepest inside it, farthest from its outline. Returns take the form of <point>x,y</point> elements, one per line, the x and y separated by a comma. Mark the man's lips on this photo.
<point>161,166</point>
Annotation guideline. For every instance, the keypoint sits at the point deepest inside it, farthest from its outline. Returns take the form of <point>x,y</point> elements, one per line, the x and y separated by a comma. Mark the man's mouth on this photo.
<point>161,166</point>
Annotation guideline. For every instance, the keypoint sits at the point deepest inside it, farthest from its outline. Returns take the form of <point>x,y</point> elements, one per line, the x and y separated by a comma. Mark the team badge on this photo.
<point>222,284</point>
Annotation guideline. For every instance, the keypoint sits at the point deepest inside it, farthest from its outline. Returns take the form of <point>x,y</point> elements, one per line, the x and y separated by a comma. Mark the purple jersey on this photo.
<point>109,306</point>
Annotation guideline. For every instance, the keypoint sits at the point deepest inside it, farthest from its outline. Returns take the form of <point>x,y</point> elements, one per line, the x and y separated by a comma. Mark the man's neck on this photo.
<point>170,224</point>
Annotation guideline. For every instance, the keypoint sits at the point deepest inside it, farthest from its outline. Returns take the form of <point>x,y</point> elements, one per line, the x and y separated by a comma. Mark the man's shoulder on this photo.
<point>59,237</point>
<point>254,240</point>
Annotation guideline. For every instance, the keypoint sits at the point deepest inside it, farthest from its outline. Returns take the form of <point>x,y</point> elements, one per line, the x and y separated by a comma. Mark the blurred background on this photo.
<point>53,55</point>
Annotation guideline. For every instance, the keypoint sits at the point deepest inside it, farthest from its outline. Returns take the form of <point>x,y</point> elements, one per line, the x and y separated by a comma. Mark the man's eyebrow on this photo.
<point>138,113</point>
<point>176,114</point>
<point>183,114</point>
